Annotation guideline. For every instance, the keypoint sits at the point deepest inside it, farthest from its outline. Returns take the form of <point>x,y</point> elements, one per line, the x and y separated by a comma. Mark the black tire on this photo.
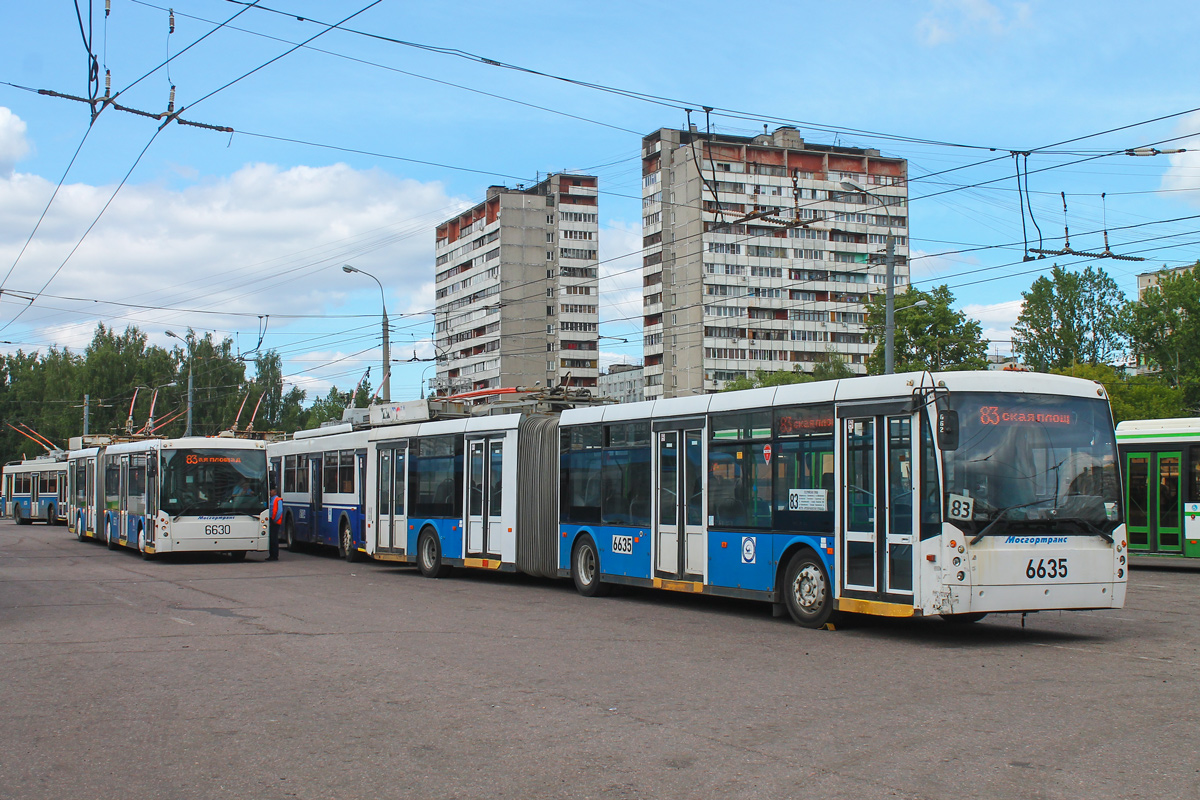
<point>148,556</point>
<point>963,619</point>
<point>113,544</point>
<point>806,590</point>
<point>289,535</point>
<point>16,513</point>
<point>429,555</point>
<point>79,528</point>
<point>50,515</point>
<point>346,548</point>
<point>237,555</point>
<point>585,569</point>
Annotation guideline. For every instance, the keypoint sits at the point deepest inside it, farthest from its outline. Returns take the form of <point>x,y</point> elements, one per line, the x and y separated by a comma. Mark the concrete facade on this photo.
<point>517,289</point>
<point>625,383</point>
<point>724,295</point>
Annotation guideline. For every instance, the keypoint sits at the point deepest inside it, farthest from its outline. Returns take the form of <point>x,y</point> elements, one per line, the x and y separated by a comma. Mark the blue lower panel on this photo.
<point>612,542</point>
<point>751,560</point>
<point>449,531</point>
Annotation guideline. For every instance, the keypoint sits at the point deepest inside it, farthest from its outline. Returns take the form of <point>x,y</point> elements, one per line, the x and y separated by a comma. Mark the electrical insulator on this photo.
<point>171,20</point>
<point>107,7</point>
<point>171,102</point>
<point>107,82</point>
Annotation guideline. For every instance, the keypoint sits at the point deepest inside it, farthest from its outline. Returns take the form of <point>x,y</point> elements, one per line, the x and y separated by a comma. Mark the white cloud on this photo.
<point>1184,169</point>
<point>13,144</point>
<point>997,321</point>
<point>950,20</point>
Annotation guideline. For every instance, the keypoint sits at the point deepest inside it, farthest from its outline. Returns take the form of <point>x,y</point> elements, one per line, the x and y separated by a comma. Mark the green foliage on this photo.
<point>833,368</point>
<point>761,378</point>
<point>45,390</point>
<point>1071,318</point>
<point>1132,397</point>
<point>1165,330</point>
<point>930,337</point>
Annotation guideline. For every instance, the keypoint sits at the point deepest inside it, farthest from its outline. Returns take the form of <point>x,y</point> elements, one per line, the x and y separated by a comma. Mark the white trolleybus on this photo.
<point>1161,459</point>
<point>194,494</point>
<point>954,494</point>
<point>36,489</point>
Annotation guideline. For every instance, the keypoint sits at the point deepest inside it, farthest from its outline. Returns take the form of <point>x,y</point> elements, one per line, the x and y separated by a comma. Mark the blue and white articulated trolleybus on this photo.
<point>1161,459</point>
<point>320,473</point>
<point>36,489</point>
<point>955,494</point>
<point>194,494</point>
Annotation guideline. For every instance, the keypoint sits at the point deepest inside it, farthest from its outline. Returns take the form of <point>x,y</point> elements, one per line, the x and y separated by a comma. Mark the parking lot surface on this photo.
<point>314,678</point>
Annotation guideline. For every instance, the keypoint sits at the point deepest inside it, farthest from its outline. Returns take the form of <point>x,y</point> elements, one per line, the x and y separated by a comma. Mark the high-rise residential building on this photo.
<point>517,289</point>
<point>623,383</point>
<point>761,252</point>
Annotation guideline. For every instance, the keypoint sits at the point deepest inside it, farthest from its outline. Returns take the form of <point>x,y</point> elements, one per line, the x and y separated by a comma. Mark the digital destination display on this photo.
<point>194,459</point>
<point>998,415</point>
<point>795,424</point>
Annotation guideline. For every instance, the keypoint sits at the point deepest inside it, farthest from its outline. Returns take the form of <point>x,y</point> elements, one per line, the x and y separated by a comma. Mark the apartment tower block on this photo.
<point>761,253</point>
<point>517,289</point>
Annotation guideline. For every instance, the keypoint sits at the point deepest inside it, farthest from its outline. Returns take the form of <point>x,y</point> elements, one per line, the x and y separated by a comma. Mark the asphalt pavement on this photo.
<point>314,678</point>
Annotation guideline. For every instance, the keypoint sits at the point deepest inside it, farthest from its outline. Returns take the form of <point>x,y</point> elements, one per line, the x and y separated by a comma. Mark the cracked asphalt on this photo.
<point>314,678</point>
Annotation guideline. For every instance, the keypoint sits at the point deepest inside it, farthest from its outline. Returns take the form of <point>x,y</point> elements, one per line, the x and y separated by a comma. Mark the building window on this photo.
<point>549,311</point>
<point>550,238</point>
<point>549,219</point>
<point>549,255</point>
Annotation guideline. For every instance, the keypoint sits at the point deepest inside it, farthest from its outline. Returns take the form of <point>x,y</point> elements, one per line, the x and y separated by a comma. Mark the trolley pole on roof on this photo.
<point>191,361</point>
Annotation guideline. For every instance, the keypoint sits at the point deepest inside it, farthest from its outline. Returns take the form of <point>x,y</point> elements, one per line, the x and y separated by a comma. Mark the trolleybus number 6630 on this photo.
<point>1046,568</point>
<point>216,530</point>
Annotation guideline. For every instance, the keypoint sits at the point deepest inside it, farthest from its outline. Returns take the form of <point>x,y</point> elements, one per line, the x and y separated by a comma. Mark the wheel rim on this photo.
<point>427,553</point>
<point>586,564</point>
<point>809,589</point>
<point>346,540</point>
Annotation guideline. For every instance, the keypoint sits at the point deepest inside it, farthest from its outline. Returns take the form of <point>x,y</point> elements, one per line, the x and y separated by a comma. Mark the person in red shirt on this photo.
<point>275,514</point>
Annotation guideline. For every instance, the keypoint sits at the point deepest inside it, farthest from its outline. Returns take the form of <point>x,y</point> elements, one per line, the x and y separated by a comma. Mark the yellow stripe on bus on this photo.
<point>678,586</point>
<point>874,607</point>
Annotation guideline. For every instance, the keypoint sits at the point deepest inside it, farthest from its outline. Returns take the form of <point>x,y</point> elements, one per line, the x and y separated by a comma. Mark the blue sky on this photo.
<point>215,231</point>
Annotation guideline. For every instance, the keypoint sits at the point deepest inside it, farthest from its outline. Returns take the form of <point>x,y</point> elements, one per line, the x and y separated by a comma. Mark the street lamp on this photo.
<point>889,315</point>
<point>387,354</point>
<point>191,361</point>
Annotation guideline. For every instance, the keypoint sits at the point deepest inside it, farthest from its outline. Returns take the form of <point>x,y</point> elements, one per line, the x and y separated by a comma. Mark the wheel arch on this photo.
<point>789,552</point>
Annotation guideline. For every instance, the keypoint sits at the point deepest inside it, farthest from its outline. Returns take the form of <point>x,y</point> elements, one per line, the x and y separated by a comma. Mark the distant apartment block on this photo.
<point>517,289</point>
<point>1147,279</point>
<point>758,256</point>
<point>624,383</point>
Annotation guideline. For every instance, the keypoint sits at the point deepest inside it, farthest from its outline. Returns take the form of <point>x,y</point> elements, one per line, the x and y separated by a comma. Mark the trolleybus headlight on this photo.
<point>961,575</point>
<point>957,561</point>
<point>1122,560</point>
<point>1120,573</point>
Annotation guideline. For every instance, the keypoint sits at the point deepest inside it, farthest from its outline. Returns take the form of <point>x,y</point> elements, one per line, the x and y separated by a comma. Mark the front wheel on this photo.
<point>807,592</point>
<point>112,543</point>
<point>237,555</point>
<point>585,569</point>
<point>429,556</point>
<point>80,533</point>
<point>289,535</point>
<point>963,619</point>
<point>51,517</point>
<point>18,516</point>
<point>347,549</point>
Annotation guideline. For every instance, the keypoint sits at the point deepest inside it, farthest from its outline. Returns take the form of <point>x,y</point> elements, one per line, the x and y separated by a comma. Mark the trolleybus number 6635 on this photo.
<point>1046,568</point>
<point>216,530</point>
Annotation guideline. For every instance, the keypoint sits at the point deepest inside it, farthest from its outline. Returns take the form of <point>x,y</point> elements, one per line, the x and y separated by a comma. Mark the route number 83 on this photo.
<point>1047,568</point>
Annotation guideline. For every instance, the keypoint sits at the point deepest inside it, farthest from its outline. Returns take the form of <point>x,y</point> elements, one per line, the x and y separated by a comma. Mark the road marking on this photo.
<point>182,621</point>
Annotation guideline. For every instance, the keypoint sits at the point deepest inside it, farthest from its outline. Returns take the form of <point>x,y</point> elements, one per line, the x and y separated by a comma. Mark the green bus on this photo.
<point>1160,459</point>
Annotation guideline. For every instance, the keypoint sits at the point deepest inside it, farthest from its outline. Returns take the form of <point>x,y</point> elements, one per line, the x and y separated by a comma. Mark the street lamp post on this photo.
<point>191,361</point>
<point>386,394</point>
<point>889,313</point>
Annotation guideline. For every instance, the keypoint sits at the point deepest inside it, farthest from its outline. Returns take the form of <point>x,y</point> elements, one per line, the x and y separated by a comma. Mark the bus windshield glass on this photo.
<point>1035,461</point>
<point>214,481</point>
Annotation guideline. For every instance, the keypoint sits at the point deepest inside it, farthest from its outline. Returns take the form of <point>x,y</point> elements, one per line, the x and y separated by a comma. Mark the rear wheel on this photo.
<point>429,555</point>
<point>80,534</point>
<point>289,535</point>
<point>585,569</point>
<point>347,549</point>
<point>16,513</point>
<point>963,619</point>
<point>238,555</point>
<point>112,543</point>
<point>51,517</point>
<point>807,592</point>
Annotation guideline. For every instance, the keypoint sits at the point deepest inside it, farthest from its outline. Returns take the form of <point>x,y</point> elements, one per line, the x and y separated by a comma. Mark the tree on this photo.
<point>933,336</point>
<point>1071,318</point>
<point>1165,330</point>
<point>833,368</point>
<point>781,377</point>
<point>1135,397</point>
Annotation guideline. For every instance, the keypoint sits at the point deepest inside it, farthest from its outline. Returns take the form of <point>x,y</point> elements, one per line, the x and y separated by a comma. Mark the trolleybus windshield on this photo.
<point>1040,461</point>
<point>214,481</point>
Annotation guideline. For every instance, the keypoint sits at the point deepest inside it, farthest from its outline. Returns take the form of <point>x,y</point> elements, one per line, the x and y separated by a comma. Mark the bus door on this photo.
<point>63,494</point>
<point>877,505</point>
<point>1169,502</point>
<point>33,495</point>
<point>485,490</point>
<point>89,502</point>
<point>391,523</point>
<point>679,524</point>
<point>315,476</point>
<point>1137,500</point>
<point>124,500</point>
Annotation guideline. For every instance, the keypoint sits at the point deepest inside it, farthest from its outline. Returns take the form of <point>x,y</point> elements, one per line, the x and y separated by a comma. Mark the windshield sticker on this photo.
<point>807,500</point>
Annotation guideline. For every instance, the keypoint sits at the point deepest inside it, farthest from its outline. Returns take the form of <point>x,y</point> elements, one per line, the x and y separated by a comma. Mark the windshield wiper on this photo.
<point>1090,526</point>
<point>1000,516</point>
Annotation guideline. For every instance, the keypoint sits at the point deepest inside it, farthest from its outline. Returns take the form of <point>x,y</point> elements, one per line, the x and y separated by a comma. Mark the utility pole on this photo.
<point>86,401</point>
<point>190,342</point>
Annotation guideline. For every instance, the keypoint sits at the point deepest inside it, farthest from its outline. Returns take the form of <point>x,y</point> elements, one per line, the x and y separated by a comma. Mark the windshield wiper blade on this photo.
<point>999,517</point>
<point>1090,526</point>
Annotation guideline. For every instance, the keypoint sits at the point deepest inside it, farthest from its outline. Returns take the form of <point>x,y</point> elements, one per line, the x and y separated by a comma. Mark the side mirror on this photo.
<point>947,430</point>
